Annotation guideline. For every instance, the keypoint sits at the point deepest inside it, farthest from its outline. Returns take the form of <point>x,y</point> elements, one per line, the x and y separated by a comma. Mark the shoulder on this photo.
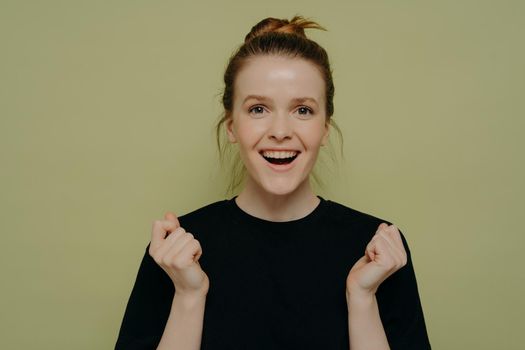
<point>342,213</point>
<point>358,221</point>
<point>360,225</point>
<point>208,211</point>
<point>206,216</point>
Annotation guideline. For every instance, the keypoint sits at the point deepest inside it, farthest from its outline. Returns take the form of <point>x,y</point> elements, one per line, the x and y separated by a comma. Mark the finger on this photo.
<point>172,217</point>
<point>181,242</point>
<point>361,262</point>
<point>199,251</point>
<point>161,227</point>
<point>382,251</point>
<point>378,248</point>
<point>170,241</point>
<point>395,237</point>
<point>385,255</point>
<point>191,251</point>
<point>179,250</point>
<point>382,226</point>
<point>370,250</point>
<point>382,230</point>
<point>389,255</point>
<point>158,233</point>
<point>389,234</point>
<point>175,235</point>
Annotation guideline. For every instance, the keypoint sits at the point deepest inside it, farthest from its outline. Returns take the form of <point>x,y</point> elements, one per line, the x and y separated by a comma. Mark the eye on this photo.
<point>305,111</point>
<point>256,110</point>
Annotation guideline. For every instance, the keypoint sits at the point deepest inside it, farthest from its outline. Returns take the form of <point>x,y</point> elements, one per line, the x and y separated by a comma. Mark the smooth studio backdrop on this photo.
<point>107,111</point>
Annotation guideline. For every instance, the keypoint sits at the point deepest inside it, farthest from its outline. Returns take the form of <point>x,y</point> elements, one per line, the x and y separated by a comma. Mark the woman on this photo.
<point>276,267</point>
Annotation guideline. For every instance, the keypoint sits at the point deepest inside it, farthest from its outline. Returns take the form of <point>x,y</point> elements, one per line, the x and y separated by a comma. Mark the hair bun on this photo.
<point>295,26</point>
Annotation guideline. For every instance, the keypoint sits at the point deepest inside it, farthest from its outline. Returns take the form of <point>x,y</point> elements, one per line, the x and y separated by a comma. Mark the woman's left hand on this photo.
<point>384,255</point>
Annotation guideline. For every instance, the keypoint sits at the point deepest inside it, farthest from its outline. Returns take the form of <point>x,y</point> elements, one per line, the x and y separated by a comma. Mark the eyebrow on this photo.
<point>295,100</point>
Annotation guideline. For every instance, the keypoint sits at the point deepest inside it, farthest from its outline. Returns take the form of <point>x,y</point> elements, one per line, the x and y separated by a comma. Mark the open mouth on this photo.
<point>279,157</point>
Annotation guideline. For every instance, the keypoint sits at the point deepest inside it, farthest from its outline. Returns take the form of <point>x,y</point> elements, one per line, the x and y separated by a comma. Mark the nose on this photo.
<point>280,127</point>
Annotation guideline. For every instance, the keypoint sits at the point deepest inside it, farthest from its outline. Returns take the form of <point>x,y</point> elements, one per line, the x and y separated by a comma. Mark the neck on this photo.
<point>268,206</point>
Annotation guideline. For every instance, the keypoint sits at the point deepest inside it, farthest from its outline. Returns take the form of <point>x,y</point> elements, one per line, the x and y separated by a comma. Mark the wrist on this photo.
<point>189,300</point>
<point>360,297</point>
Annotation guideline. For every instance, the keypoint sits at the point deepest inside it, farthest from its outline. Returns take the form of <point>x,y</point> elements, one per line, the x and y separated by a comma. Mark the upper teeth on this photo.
<point>279,154</point>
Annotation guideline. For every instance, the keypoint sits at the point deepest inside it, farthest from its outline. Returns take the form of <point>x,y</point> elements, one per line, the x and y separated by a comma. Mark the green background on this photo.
<point>106,121</point>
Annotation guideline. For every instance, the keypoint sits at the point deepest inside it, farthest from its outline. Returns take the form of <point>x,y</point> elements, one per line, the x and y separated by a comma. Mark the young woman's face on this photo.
<point>279,121</point>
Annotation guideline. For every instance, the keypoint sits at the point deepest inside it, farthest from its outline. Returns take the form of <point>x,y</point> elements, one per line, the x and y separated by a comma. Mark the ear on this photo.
<point>229,130</point>
<point>326,133</point>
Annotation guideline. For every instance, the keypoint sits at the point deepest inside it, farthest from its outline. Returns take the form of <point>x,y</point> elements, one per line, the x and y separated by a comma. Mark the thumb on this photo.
<point>361,262</point>
<point>172,217</point>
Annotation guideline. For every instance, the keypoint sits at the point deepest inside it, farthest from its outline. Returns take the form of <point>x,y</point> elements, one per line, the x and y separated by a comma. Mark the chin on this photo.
<point>280,188</point>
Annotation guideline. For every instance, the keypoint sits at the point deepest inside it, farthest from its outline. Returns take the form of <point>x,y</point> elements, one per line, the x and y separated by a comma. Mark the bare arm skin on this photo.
<point>384,255</point>
<point>177,252</point>
<point>364,324</point>
<point>183,330</point>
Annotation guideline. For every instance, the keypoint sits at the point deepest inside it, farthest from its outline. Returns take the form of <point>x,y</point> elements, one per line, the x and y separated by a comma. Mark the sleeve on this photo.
<point>148,308</point>
<point>400,308</point>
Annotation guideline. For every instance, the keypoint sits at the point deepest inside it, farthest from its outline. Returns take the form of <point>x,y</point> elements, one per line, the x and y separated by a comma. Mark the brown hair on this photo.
<point>280,37</point>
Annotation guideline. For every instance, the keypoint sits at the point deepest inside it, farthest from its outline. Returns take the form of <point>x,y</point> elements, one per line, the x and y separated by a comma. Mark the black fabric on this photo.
<point>276,285</point>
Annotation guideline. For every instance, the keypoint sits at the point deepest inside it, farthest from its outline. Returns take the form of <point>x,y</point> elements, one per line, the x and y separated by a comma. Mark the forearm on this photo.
<point>183,329</point>
<point>364,324</point>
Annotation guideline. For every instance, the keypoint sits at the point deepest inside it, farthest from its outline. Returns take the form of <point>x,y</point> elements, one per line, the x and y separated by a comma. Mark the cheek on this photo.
<point>249,133</point>
<point>313,136</point>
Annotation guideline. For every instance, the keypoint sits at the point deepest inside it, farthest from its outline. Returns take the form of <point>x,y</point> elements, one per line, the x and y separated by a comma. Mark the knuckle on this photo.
<point>176,233</point>
<point>395,233</point>
<point>195,244</point>
<point>382,226</point>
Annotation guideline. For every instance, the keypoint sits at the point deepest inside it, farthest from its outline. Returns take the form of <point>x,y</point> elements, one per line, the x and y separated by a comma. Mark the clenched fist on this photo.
<point>177,252</point>
<point>384,255</point>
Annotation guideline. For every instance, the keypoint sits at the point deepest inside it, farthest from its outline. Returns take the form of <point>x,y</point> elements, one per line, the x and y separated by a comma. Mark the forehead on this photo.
<point>279,77</point>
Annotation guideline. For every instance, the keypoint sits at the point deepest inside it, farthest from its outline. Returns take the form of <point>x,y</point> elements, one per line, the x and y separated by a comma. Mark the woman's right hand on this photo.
<point>177,252</point>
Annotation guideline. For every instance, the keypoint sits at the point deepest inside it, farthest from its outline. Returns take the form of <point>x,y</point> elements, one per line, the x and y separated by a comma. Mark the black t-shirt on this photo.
<point>276,285</point>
